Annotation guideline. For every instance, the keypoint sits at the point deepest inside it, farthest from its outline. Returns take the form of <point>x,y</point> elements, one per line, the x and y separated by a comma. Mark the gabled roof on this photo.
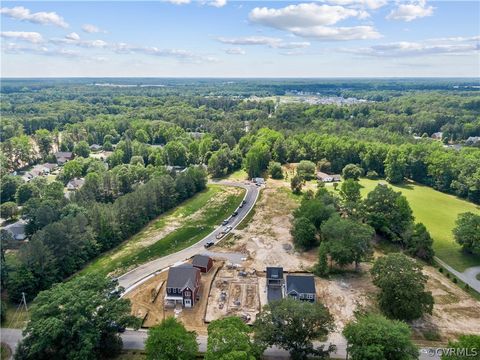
<point>183,276</point>
<point>64,154</point>
<point>274,273</point>
<point>200,260</point>
<point>16,228</point>
<point>300,284</point>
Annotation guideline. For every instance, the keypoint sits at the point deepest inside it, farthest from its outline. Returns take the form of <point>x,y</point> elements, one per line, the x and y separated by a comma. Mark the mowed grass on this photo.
<point>438,212</point>
<point>204,215</point>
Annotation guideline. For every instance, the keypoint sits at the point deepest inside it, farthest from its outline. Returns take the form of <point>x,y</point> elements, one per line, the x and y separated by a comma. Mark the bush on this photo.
<point>440,269</point>
<point>372,175</point>
<point>455,280</point>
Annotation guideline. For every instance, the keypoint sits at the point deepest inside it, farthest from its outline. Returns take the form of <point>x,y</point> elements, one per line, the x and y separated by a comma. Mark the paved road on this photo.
<point>135,340</point>
<point>468,276</point>
<point>136,276</point>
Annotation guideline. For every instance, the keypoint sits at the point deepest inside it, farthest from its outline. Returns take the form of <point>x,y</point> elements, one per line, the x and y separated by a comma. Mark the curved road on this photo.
<point>468,276</point>
<point>142,273</point>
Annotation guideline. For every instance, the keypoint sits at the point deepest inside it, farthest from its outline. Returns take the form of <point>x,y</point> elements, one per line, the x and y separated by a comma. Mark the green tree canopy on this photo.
<point>374,337</point>
<point>293,325</point>
<point>346,241</point>
<point>304,233</point>
<point>402,287</point>
<point>467,232</point>
<point>171,341</point>
<point>352,171</point>
<point>79,319</point>
<point>229,338</point>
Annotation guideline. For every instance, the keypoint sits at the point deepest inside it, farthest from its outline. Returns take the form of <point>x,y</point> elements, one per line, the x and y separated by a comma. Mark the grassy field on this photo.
<point>438,212</point>
<point>175,230</point>
<point>14,319</point>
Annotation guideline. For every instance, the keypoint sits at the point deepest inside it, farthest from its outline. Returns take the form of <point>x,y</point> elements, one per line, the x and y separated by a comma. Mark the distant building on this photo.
<point>473,140</point>
<point>324,177</point>
<point>183,285</point>
<point>95,147</point>
<point>17,230</point>
<point>75,184</point>
<point>301,287</point>
<point>202,262</point>
<point>63,157</point>
<point>258,181</point>
<point>437,135</point>
<point>274,283</point>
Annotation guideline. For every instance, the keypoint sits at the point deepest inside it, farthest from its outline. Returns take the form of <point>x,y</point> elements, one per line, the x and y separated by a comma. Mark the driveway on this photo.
<point>136,276</point>
<point>468,276</point>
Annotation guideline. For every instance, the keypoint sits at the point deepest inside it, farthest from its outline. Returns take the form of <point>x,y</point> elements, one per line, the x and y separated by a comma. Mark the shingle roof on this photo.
<point>182,276</point>
<point>274,273</point>
<point>64,154</point>
<point>200,260</point>
<point>17,228</point>
<point>300,284</point>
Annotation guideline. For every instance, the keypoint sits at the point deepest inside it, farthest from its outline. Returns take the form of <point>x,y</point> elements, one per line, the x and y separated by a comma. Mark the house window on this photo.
<point>174,291</point>
<point>188,293</point>
<point>310,296</point>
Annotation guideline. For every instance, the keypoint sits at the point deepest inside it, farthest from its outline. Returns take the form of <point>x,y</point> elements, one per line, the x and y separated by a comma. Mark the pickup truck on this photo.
<point>208,244</point>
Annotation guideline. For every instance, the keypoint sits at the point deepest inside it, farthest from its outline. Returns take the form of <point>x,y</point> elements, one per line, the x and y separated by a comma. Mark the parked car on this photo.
<point>242,203</point>
<point>235,213</point>
<point>227,229</point>
<point>225,222</point>
<point>208,244</point>
<point>220,235</point>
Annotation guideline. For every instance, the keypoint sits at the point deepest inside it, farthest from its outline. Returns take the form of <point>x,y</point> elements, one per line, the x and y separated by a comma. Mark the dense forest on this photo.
<point>159,135</point>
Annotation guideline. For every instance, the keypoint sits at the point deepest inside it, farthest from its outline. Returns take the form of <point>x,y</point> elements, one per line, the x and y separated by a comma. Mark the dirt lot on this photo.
<point>234,294</point>
<point>267,239</point>
<point>154,312</point>
<point>454,313</point>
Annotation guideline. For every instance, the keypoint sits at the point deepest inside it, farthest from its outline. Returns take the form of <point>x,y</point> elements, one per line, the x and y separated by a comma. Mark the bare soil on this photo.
<point>267,239</point>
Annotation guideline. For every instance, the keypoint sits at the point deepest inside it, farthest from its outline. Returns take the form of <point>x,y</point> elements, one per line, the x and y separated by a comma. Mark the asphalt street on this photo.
<point>136,276</point>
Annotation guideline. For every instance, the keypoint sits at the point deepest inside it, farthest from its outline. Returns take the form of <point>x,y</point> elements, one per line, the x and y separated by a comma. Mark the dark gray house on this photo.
<point>301,287</point>
<point>202,262</point>
<point>274,283</point>
<point>183,284</point>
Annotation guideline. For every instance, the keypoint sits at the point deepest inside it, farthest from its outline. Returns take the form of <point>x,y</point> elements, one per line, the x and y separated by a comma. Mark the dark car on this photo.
<point>235,213</point>
<point>208,244</point>
<point>225,222</point>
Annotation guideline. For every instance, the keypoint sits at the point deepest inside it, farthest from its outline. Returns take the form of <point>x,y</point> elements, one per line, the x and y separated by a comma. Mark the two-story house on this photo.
<point>183,286</point>
<point>301,287</point>
<point>274,283</point>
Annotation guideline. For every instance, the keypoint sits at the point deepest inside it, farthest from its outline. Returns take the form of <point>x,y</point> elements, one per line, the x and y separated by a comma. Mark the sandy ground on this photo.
<point>234,294</point>
<point>267,239</point>
<point>153,312</point>
<point>455,312</point>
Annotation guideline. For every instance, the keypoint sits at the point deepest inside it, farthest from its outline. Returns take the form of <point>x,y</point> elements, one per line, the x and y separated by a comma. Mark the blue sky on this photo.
<point>225,38</point>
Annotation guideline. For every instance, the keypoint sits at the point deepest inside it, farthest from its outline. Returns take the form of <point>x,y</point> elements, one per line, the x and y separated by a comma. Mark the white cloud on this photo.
<point>315,21</point>
<point>72,36</point>
<point>337,33</point>
<point>264,40</point>
<point>302,15</point>
<point>370,4</point>
<point>33,37</point>
<point>178,2</point>
<point>24,14</point>
<point>89,28</point>
<point>217,3</point>
<point>452,46</point>
<point>235,51</point>
<point>411,11</point>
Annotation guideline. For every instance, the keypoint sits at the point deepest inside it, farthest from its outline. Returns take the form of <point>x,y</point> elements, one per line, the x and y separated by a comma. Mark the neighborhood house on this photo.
<point>301,287</point>
<point>75,184</point>
<point>274,283</point>
<point>183,284</point>
<point>17,230</point>
<point>63,156</point>
<point>202,262</point>
<point>324,177</point>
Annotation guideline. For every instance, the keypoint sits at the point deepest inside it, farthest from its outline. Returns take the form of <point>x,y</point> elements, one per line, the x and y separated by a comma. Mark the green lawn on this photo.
<point>438,212</point>
<point>195,219</point>
<point>15,319</point>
